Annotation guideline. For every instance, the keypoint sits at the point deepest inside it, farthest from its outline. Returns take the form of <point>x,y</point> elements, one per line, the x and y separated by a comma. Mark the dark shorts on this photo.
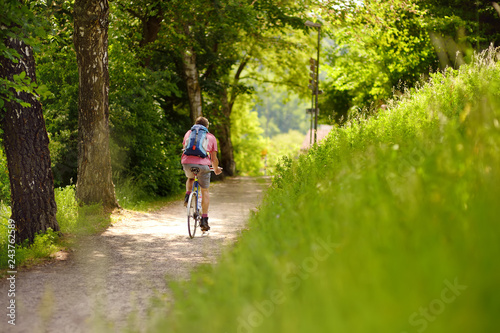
<point>203,175</point>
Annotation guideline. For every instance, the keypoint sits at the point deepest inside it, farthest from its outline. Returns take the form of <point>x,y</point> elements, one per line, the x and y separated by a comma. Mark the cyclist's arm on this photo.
<point>215,162</point>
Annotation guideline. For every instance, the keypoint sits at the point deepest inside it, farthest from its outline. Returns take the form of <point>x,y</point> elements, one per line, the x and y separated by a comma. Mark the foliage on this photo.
<point>58,70</point>
<point>283,145</point>
<point>396,212</point>
<point>145,145</point>
<point>17,22</point>
<point>67,208</point>
<point>381,46</point>
<point>148,104</point>
<point>377,45</point>
<point>42,247</point>
<point>280,60</point>
<point>471,22</point>
<point>247,138</point>
<point>282,122</point>
<point>75,219</point>
<point>280,111</point>
<point>132,195</point>
<point>4,179</point>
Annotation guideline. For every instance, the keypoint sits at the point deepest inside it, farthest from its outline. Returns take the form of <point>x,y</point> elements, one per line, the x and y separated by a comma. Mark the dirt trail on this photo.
<point>110,276</point>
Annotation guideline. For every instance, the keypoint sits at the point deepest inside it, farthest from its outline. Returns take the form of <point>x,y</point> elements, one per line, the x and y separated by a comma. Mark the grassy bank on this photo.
<point>74,221</point>
<point>390,226</point>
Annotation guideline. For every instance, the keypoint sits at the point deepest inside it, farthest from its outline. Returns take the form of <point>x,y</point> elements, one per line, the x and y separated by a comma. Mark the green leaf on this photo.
<point>44,91</point>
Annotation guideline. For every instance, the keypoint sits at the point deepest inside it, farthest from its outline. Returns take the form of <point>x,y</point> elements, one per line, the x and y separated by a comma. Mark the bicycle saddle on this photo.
<point>195,170</point>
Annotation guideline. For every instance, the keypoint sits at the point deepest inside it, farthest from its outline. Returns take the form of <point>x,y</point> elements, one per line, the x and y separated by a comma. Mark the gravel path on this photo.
<point>109,277</point>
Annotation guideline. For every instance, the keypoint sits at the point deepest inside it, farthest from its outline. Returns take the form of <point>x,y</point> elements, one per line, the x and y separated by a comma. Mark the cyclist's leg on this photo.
<point>190,178</point>
<point>205,200</point>
<point>204,181</point>
<point>189,185</point>
<point>205,203</point>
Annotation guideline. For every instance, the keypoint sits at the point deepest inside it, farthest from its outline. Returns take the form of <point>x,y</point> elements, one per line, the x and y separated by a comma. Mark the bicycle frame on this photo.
<point>197,189</point>
<point>194,211</point>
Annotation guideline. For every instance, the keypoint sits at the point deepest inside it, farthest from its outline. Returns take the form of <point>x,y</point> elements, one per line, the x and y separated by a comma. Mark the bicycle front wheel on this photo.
<point>193,217</point>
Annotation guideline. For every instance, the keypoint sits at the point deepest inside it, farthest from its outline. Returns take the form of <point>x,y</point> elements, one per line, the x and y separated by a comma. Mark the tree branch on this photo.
<point>241,67</point>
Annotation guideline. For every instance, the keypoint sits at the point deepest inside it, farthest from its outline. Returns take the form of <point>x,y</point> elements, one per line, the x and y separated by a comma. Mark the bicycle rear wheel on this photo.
<point>193,218</point>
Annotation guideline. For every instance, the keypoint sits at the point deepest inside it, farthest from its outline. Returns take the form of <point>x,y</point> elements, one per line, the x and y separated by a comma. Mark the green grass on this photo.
<point>131,195</point>
<point>390,226</point>
<point>73,221</point>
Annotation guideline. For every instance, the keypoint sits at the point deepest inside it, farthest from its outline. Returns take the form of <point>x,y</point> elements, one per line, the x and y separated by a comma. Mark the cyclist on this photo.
<point>204,175</point>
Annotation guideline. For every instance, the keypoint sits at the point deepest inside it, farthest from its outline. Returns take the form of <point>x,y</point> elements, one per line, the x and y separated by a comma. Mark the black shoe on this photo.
<point>186,198</point>
<point>204,224</point>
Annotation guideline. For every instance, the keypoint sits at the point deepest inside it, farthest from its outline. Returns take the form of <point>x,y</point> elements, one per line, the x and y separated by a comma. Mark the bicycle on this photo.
<point>194,209</point>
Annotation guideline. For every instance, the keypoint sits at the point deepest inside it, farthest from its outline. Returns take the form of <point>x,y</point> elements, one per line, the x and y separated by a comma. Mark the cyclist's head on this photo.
<point>202,121</point>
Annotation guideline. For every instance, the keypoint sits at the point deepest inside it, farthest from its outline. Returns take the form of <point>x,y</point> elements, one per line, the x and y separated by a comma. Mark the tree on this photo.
<point>57,69</point>
<point>382,46</point>
<point>150,15</point>
<point>233,45</point>
<point>192,84</point>
<point>474,23</point>
<point>148,116</point>
<point>198,40</point>
<point>94,182</point>
<point>377,46</point>
<point>191,17</point>
<point>249,145</point>
<point>24,135</point>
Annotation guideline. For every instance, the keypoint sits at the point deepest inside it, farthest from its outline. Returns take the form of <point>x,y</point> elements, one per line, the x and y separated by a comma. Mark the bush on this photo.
<point>4,179</point>
<point>43,245</point>
<point>67,208</point>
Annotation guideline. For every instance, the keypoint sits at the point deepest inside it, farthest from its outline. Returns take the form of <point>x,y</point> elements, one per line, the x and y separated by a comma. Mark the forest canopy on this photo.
<point>248,61</point>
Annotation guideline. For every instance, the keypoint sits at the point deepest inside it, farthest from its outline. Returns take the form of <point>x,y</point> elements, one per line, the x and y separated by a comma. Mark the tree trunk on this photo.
<point>151,25</point>
<point>27,150</point>
<point>224,123</point>
<point>223,127</point>
<point>94,182</point>
<point>150,28</point>
<point>193,83</point>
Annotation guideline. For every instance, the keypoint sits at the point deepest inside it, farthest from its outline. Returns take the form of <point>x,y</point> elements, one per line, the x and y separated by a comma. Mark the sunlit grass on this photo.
<point>73,221</point>
<point>132,196</point>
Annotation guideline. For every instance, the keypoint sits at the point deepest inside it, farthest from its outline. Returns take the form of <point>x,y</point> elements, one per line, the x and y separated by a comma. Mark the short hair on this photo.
<point>202,121</point>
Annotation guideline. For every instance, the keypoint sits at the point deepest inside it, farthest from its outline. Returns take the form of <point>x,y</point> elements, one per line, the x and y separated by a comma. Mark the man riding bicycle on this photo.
<point>203,164</point>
